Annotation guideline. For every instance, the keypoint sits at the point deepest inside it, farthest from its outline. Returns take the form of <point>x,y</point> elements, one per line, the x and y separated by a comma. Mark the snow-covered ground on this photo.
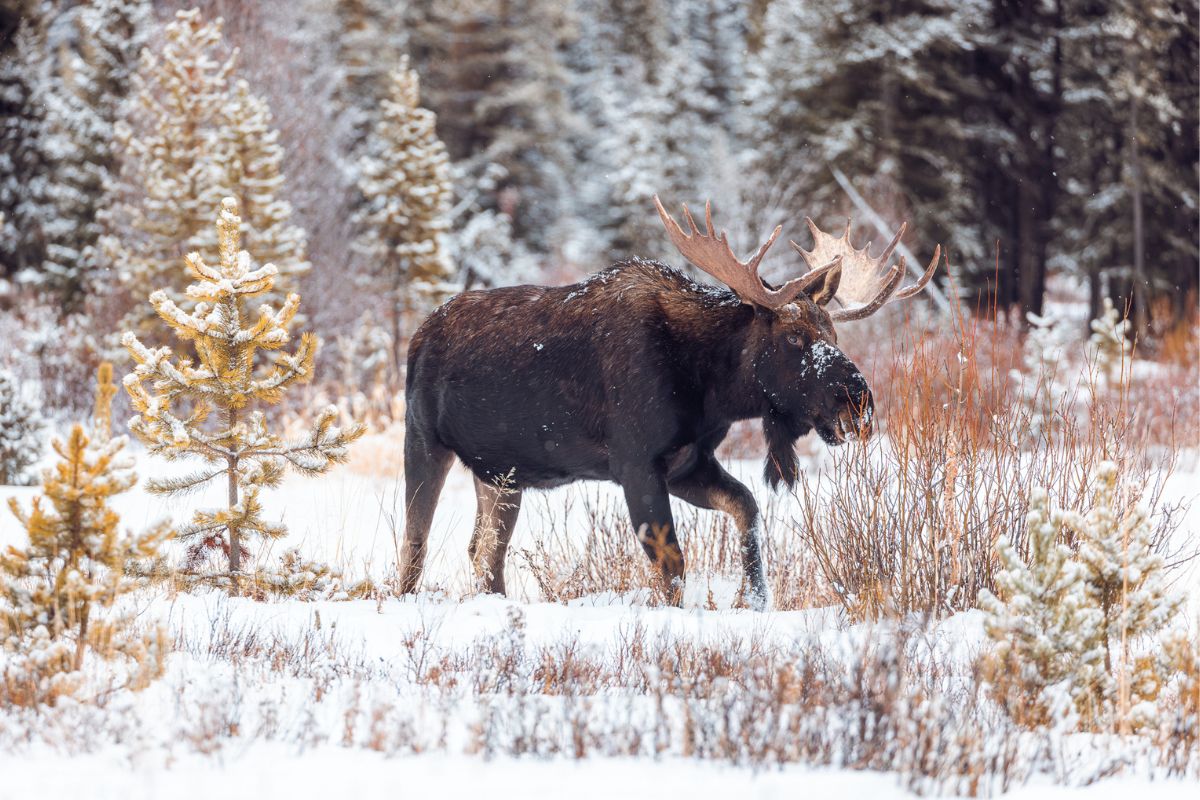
<point>343,699</point>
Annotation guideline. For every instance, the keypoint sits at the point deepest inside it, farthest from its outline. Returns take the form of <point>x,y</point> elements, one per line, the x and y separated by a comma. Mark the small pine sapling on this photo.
<point>1126,580</point>
<point>20,432</point>
<point>223,375</point>
<point>1073,623</point>
<point>1043,625</point>
<point>1042,380</point>
<point>1109,347</point>
<point>53,590</point>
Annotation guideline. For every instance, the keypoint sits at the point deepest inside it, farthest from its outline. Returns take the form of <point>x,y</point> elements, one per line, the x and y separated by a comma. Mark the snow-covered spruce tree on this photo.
<point>1126,581</point>
<point>494,71</point>
<point>57,593</point>
<point>193,136</point>
<point>371,38</point>
<point>1074,631</point>
<point>81,97</point>
<point>405,183</point>
<point>23,165</point>
<point>1045,630</point>
<point>224,376</point>
<point>20,432</point>
<point>1109,348</point>
<point>870,87</point>
<point>254,177</point>
<point>172,172</point>
<point>486,254</point>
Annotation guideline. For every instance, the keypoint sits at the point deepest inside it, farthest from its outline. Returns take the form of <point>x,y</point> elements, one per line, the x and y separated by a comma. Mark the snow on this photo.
<point>147,744</point>
<point>364,776</point>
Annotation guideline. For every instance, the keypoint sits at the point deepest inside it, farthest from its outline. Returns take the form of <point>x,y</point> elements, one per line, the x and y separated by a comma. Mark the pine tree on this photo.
<point>487,255</point>
<point>197,136</point>
<point>1126,581</point>
<point>173,169</point>
<point>106,390</point>
<point>1130,150</point>
<point>1042,382</point>
<point>370,39</point>
<point>1046,632</point>
<point>81,101</point>
<point>406,187</point>
<point>1078,622</point>
<point>20,432</point>
<point>55,590</point>
<point>224,376</point>
<point>492,70</point>
<point>869,87</point>
<point>254,176</point>
<point>23,160</point>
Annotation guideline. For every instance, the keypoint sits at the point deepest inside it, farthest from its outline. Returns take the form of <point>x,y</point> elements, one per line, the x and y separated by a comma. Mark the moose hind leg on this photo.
<point>709,486</point>
<point>497,508</point>
<point>426,465</point>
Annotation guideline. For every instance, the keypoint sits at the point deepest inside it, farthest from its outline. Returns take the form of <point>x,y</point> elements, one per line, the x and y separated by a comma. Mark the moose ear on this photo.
<point>827,287</point>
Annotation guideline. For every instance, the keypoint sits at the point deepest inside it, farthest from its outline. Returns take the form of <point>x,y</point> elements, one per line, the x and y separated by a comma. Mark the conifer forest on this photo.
<point>606,398</point>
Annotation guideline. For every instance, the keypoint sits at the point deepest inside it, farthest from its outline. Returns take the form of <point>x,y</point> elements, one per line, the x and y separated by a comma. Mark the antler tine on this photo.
<point>891,248</point>
<point>808,279</point>
<point>909,291</point>
<point>712,253</point>
<point>877,302</point>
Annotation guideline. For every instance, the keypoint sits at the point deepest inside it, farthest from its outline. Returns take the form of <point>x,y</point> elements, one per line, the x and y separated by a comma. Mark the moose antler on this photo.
<point>866,282</point>
<point>712,254</point>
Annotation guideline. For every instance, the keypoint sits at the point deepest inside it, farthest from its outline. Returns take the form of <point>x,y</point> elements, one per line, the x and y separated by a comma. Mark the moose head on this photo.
<point>792,355</point>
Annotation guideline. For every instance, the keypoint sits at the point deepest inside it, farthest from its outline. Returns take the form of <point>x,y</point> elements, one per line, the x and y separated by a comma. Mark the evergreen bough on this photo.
<point>224,376</point>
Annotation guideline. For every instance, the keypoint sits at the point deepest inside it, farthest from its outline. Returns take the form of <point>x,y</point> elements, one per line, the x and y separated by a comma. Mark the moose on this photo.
<point>635,375</point>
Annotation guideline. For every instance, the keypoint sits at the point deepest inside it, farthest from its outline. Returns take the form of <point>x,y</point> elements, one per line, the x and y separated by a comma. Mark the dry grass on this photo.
<point>881,700</point>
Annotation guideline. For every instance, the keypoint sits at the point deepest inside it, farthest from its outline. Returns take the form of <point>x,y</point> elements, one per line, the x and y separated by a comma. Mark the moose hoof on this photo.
<point>757,597</point>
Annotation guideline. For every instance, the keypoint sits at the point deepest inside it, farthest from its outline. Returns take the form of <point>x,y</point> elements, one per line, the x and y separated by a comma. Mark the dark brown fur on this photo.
<point>634,375</point>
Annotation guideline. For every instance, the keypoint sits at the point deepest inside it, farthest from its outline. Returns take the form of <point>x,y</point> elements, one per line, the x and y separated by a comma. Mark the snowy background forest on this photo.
<point>999,593</point>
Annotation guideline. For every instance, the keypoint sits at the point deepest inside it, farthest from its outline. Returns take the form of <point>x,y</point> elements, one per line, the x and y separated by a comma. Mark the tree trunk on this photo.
<point>81,642</point>
<point>1139,294</point>
<point>235,539</point>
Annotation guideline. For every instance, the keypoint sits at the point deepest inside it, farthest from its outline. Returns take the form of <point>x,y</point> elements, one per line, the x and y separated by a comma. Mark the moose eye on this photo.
<point>794,339</point>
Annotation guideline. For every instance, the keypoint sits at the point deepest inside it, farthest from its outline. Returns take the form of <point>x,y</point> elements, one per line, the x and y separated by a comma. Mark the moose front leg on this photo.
<point>650,511</point>
<point>709,486</point>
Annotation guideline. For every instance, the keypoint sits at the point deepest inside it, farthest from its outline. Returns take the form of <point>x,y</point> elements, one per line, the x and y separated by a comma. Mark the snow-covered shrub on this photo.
<point>20,432</point>
<point>237,446</point>
<point>55,591</point>
<point>1079,620</point>
<point>1180,729</point>
<point>302,579</point>
<point>367,385</point>
<point>1109,348</point>
<point>1043,379</point>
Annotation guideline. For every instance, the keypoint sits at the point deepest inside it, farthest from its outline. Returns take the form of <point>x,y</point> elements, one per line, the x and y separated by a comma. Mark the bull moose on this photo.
<point>635,375</point>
